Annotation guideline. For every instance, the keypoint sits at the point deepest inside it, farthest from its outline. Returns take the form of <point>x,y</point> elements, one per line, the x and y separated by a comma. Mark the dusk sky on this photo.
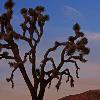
<point>63,14</point>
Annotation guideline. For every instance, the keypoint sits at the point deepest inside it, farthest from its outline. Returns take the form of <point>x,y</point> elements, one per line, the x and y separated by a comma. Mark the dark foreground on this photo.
<point>89,95</point>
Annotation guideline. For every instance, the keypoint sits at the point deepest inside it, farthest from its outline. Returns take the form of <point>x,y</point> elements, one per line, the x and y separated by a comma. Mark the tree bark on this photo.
<point>42,90</point>
<point>40,95</point>
<point>34,96</point>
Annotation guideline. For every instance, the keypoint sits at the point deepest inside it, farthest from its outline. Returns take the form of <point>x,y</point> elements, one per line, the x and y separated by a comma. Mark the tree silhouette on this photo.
<point>73,50</point>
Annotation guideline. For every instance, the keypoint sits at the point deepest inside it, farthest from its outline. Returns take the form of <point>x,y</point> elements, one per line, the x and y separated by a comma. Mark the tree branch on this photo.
<point>5,46</point>
<point>18,59</point>
<point>77,68</point>
<point>6,56</point>
<point>57,44</point>
<point>11,77</point>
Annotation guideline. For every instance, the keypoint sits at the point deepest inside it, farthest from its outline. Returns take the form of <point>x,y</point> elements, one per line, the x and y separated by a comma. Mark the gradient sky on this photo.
<point>63,14</point>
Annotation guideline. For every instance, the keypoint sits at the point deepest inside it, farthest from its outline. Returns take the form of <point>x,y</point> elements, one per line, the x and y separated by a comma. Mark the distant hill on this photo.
<point>89,95</point>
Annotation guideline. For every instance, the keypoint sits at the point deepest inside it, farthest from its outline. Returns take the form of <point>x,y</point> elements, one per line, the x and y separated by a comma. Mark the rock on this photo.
<point>89,95</point>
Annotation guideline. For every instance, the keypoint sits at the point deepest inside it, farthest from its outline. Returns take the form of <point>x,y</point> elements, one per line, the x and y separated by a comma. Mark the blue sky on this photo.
<point>87,8</point>
<point>63,14</point>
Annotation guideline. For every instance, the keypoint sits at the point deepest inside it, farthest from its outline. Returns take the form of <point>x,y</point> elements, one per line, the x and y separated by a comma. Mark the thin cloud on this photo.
<point>94,36</point>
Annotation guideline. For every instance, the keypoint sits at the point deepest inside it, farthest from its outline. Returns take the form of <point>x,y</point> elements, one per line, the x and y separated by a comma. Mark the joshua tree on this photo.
<point>73,50</point>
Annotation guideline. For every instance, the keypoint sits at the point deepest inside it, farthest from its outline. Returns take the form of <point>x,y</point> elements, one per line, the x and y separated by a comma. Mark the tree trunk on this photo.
<point>41,94</point>
<point>42,90</point>
<point>34,97</point>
